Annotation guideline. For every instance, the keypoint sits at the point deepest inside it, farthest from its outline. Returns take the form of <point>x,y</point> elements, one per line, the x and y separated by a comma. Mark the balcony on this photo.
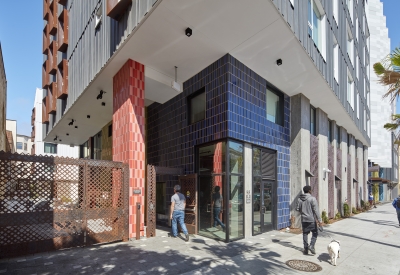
<point>116,8</point>
<point>53,20</point>
<point>52,98</point>
<point>45,114</point>
<point>45,10</point>
<point>45,39</point>
<point>63,31</point>
<point>62,2</point>
<point>62,80</point>
<point>53,56</point>
<point>45,74</point>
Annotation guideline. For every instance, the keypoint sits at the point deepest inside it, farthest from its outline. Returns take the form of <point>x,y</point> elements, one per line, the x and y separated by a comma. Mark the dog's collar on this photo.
<point>335,241</point>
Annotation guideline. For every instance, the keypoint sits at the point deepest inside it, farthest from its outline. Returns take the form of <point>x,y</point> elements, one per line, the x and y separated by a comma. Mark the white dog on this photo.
<point>334,251</point>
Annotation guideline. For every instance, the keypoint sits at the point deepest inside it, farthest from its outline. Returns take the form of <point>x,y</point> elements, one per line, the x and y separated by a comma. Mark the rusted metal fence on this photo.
<point>49,203</point>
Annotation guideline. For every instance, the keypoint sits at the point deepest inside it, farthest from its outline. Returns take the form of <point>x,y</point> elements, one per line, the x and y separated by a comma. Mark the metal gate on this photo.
<point>49,203</point>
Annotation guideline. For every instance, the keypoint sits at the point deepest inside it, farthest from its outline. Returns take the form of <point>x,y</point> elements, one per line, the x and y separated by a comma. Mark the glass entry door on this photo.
<point>211,207</point>
<point>263,206</point>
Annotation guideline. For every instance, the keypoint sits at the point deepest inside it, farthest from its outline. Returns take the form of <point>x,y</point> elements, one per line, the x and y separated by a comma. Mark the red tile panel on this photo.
<point>128,133</point>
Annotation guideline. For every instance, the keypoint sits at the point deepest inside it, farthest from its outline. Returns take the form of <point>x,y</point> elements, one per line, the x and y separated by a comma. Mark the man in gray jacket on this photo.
<point>308,206</point>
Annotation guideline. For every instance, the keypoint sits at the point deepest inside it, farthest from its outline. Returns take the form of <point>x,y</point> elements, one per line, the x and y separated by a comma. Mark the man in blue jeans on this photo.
<point>396,204</point>
<point>178,204</point>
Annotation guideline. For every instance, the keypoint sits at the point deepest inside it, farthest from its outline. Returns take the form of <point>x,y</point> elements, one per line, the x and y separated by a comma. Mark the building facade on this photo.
<point>24,144</point>
<point>11,127</point>
<point>36,144</point>
<point>382,155</point>
<point>3,105</point>
<point>259,106</point>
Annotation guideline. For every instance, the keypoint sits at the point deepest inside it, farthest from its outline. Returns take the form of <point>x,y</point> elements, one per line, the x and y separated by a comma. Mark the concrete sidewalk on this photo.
<point>369,245</point>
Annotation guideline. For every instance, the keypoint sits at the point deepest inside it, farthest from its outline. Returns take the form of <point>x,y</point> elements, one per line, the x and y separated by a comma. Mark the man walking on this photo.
<point>396,204</point>
<point>178,204</point>
<point>308,207</point>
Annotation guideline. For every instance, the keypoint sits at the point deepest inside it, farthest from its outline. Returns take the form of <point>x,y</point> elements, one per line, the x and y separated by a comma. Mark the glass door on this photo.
<point>267,210</point>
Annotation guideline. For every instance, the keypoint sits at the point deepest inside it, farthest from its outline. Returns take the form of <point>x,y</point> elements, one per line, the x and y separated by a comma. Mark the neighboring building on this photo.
<point>3,104</point>
<point>267,98</point>
<point>38,147</point>
<point>382,155</point>
<point>24,144</point>
<point>11,126</point>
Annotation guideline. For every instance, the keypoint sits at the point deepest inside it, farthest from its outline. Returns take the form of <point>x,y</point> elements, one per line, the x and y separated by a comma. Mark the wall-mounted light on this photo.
<point>72,122</point>
<point>188,32</point>
<point>100,95</point>
<point>88,116</point>
<point>55,139</point>
<point>103,104</point>
<point>326,170</point>
<point>279,62</point>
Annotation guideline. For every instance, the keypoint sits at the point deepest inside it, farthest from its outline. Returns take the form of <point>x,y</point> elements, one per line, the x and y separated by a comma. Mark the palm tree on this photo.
<point>392,126</point>
<point>388,72</point>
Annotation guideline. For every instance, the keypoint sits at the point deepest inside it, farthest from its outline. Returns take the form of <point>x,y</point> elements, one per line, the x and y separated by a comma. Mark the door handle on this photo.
<point>208,207</point>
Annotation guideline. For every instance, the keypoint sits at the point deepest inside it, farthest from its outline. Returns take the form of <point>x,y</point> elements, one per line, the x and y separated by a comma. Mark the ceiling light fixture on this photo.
<point>279,62</point>
<point>103,104</point>
<point>100,95</point>
<point>76,127</point>
<point>67,134</point>
<point>88,116</point>
<point>72,122</point>
<point>55,138</point>
<point>188,32</point>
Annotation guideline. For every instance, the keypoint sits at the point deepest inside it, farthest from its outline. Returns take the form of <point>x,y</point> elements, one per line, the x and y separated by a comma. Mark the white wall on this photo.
<point>62,149</point>
<point>11,125</point>
<point>24,140</point>
<point>381,109</point>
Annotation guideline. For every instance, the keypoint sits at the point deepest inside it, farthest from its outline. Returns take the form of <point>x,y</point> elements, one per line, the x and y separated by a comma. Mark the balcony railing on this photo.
<point>45,113</point>
<point>45,9</point>
<point>45,74</point>
<point>45,39</point>
<point>52,98</point>
<point>62,34</point>
<point>116,8</point>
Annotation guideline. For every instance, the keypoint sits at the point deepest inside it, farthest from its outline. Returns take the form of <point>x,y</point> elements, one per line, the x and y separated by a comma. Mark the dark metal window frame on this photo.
<point>313,128</point>
<point>281,96</point>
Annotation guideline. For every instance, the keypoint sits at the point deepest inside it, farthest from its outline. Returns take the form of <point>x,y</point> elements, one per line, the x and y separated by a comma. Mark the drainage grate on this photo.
<point>303,265</point>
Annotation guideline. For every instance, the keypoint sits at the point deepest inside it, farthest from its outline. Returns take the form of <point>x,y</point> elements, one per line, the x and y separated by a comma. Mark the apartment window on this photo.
<point>25,146</point>
<point>19,145</point>
<point>336,11</point>
<point>368,98</point>
<point>313,130</point>
<point>335,59</point>
<point>330,136</point>
<point>63,106</point>
<point>316,24</point>
<point>357,28</point>
<point>50,148</point>
<point>338,139</point>
<point>274,107</point>
<point>368,126</point>
<point>197,106</point>
<point>365,120</point>
<point>350,90</point>
<point>350,47</point>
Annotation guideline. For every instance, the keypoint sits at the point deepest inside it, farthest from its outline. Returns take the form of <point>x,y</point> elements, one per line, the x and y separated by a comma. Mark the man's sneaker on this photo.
<point>312,249</point>
<point>187,237</point>
<point>305,251</point>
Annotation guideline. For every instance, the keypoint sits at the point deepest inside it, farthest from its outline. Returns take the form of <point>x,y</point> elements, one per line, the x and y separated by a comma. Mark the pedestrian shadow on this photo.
<point>287,244</point>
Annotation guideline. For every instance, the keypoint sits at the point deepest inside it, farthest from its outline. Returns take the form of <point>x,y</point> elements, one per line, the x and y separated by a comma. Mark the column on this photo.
<point>129,133</point>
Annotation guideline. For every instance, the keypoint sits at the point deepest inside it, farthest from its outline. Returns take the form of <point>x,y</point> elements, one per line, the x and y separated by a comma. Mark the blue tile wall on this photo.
<point>235,108</point>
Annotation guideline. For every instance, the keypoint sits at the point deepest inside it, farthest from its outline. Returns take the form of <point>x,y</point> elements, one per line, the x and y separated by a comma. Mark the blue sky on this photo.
<point>21,42</point>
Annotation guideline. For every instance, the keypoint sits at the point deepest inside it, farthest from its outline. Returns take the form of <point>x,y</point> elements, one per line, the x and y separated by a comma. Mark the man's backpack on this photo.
<point>398,203</point>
